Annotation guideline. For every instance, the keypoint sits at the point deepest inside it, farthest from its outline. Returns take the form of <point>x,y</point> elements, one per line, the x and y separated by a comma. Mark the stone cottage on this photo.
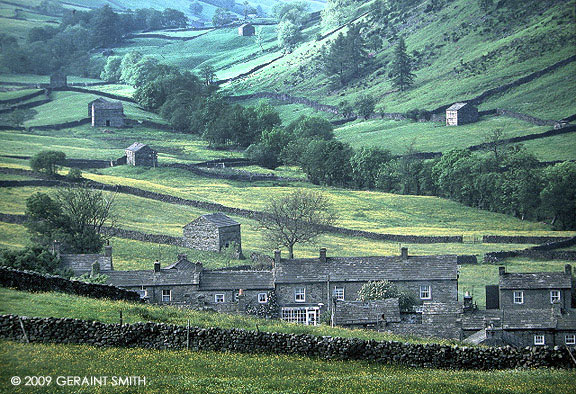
<point>213,232</point>
<point>461,113</point>
<point>139,154</point>
<point>81,264</point>
<point>105,113</point>
<point>58,80</point>
<point>247,29</point>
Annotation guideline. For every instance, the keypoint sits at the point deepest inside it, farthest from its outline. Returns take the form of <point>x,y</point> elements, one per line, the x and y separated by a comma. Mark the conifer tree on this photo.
<point>401,73</point>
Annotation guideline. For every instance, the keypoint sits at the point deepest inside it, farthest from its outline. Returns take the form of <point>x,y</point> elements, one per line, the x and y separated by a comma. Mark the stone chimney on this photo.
<point>501,270</point>
<point>404,253</point>
<point>468,304</point>
<point>322,255</point>
<point>156,266</point>
<point>182,257</point>
<point>107,251</point>
<point>277,255</point>
<point>568,269</point>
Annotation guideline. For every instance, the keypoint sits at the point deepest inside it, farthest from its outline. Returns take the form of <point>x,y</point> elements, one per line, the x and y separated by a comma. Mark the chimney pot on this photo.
<point>322,255</point>
<point>568,269</point>
<point>156,266</point>
<point>404,253</point>
<point>277,256</point>
<point>501,270</point>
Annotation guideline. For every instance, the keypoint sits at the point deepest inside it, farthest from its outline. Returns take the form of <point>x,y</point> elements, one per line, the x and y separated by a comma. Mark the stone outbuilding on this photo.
<point>58,80</point>
<point>213,232</point>
<point>461,113</point>
<point>139,154</point>
<point>105,113</point>
<point>247,29</point>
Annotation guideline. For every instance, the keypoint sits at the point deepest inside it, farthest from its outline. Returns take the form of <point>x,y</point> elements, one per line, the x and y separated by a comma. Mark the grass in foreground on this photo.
<point>212,372</point>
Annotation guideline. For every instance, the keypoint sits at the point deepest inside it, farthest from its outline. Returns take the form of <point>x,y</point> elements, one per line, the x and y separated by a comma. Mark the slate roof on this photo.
<point>232,280</point>
<point>183,265</point>
<point>536,280</point>
<point>529,319</point>
<point>361,269</point>
<point>101,103</point>
<point>135,147</point>
<point>456,106</point>
<point>366,312</point>
<point>150,278</point>
<point>218,219</point>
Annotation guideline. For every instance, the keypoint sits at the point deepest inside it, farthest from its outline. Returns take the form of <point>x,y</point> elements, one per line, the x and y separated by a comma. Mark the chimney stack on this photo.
<point>156,266</point>
<point>568,269</point>
<point>108,251</point>
<point>468,305</point>
<point>404,253</point>
<point>182,257</point>
<point>277,255</point>
<point>501,270</point>
<point>322,255</point>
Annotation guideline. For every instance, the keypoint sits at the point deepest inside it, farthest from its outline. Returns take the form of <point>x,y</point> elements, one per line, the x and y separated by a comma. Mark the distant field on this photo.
<point>398,136</point>
<point>32,78</point>
<point>12,94</point>
<point>119,89</point>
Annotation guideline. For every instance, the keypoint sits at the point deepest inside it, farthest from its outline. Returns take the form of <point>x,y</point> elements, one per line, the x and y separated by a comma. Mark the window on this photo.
<point>143,293</point>
<point>339,293</point>
<point>166,295</point>
<point>303,315</point>
<point>236,296</point>
<point>518,297</point>
<point>539,340</point>
<point>262,298</point>
<point>300,294</point>
<point>425,292</point>
<point>554,296</point>
<point>219,298</point>
<point>570,339</point>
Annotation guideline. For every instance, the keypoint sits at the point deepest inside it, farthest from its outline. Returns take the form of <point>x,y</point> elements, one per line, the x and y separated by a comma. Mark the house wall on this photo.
<point>202,235</point>
<point>101,116</point>
<point>229,235</point>
<point>144,157</point>
<point>533,299</point>
<point>82,263</point>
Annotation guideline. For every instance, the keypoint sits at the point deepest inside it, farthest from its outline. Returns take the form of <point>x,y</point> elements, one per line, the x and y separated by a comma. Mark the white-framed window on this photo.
<point>300,294</point>
<point>570,339</point>
<point>339,293</point>
<point>143,293</point>
<point>236,296</point>
<point>554,296</point>
<point>539,340</point>
<point>219,298</point>
<point>302,315</point>
<point>262,298</point>
<point>518,297</point>
<point>166,295</point>
<point>425,292</point>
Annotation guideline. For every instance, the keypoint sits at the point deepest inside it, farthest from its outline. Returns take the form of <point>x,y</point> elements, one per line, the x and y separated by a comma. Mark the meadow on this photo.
<point>211,372</point>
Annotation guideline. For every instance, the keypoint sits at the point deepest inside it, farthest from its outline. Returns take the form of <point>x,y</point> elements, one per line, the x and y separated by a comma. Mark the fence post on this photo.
<point>26,336</point>
<point>121,320</point>
<point>188,335</point>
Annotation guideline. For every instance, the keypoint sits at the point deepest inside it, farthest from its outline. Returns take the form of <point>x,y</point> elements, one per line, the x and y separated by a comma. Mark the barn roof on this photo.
<point>101,103</point>
<point>218,219</point>
<point>231,280</point>
<point>165,277</point>
<point>245,25</point>
<point>456,106</point>
<point>535,280</point>
<point>135,147</point>
<point>361,269</point>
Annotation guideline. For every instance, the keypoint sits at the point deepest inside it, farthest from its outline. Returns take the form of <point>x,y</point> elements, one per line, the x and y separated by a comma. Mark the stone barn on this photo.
<point>247,29</point>
<point>139,154</point>
<point>58,80</point>
<point>461,113</point>
<point>213,232</point>
<point>105,113</point>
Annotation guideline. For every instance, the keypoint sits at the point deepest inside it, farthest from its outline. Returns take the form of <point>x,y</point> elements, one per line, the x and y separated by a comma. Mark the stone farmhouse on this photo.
<point>213,232</point>
<point>139,154</point>
<point>105,113</point>
<point>461,113</point>
<point>247,29</point>
<point>58,80</point>
<point>85,263</point>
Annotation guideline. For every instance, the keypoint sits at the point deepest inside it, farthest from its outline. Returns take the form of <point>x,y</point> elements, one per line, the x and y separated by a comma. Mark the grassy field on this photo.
<point>211,372</point>
<point>32,78</point>
<point>13,94</point>
<point>398,136</point>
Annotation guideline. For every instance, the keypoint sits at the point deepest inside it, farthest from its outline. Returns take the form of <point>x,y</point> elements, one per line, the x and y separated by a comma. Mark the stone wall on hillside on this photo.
<point>165,336</point>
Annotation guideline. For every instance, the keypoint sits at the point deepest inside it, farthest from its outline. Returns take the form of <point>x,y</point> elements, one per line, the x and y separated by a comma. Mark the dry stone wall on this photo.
<point>165,336</point>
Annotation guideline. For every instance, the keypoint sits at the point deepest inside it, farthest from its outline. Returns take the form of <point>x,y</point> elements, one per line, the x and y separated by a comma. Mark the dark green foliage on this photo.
<point>222,17</point>
<point>196,8</point>
<point>311,127</point>
<point>346,109</point>
<point>289,35</point>
<point>47,161</point>
<point>384,290</point>
<point>74,174</point>
<point>366,164</point>
<point>327,162</point>
<point>32,258</point>
<point>345,58</point>
<point>365,105</point>
<point>559,195</point>
<point>401,72</point>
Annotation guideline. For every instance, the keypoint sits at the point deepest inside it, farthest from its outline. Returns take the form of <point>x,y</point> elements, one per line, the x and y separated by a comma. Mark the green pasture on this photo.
<point>13,94</point>
<point>113,88</point>
<point>558,147</point>
<point>212,372</point>
<point>398,136</point>
<point>33,78</point>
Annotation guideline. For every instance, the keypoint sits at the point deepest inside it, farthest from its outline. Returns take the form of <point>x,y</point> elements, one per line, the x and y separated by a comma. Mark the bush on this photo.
<point>383,290</point>
<point>47,161</point>
<point>75,174</point>
<point>32,258</point>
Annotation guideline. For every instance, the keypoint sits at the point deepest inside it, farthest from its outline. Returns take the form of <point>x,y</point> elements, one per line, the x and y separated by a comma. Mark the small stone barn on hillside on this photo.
<point>213,232</point>
<point>247,29</point>
<point>58,80</point>
<point>105,113</point>
<point>139,154</point>
<point>461,113</point>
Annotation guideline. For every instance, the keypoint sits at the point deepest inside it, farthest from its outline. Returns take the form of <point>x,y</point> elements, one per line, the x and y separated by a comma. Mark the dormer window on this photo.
<point>554,296</point>
<point>518,297</point>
